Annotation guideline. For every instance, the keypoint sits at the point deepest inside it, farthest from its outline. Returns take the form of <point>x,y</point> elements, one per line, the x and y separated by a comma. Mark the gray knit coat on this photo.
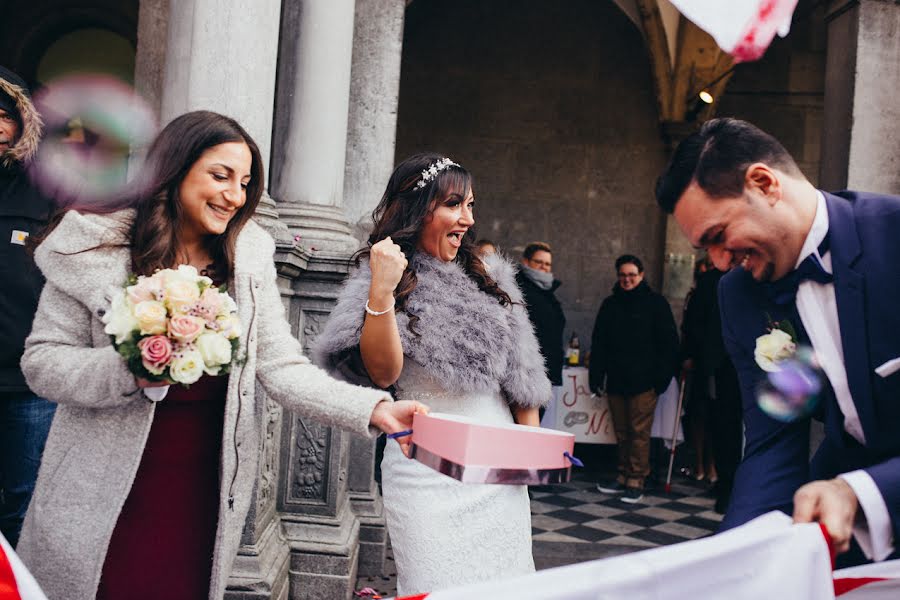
<point>101,426</point>
<point>466,339</point>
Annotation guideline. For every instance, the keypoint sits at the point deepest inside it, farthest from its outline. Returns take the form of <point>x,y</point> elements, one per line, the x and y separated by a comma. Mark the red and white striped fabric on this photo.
<point>742,28</point>
<point>16,583</point>
<point>878,581</point>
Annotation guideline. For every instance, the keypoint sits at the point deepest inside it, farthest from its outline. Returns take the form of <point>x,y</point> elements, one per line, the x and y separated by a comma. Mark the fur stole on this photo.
<point>466,340</point>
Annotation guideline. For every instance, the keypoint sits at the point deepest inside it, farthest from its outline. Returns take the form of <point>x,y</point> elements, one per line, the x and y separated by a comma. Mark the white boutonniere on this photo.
<point>777,345</point>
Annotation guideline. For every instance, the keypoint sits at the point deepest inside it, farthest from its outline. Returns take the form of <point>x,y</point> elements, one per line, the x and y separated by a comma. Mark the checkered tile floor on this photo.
<point>574,522</point>
<point>577,513</point>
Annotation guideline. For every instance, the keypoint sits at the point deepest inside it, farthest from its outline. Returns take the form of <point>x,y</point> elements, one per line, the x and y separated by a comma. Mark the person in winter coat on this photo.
<point>24,416</point>
<point>715,403</point>
<point>535,279</point>
<point>135,495</point>
<point>634,348</point>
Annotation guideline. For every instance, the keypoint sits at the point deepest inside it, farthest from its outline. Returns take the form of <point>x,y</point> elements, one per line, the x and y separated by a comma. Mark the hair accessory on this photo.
<point>432,171</point>
<point>377,313</point>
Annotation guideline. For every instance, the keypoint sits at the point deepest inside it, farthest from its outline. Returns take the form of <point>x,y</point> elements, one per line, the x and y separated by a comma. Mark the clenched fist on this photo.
<point>388,263</point>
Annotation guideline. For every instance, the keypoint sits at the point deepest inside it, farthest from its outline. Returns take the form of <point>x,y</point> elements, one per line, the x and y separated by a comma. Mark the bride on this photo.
<point>424,314</point>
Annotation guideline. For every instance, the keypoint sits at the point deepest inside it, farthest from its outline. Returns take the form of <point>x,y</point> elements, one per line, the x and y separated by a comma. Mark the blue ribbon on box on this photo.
<point>573,460</point>
<point>399,434</point>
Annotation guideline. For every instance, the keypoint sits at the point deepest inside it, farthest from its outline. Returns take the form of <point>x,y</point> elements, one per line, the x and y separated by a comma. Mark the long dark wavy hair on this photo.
<point>402,213</point>
<point>154,232</point>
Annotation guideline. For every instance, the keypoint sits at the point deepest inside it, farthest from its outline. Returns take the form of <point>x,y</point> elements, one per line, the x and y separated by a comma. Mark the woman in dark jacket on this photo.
<point>535,279</point>
<point>634,354</point>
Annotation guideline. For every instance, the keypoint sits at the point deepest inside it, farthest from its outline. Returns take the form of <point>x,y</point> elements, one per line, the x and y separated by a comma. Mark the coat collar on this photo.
<point>850,293</point>
<point>87,253</point>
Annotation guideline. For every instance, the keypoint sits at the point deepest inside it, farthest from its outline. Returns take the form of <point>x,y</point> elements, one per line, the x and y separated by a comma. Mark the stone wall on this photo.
<point>784,92</point>
<point>551,106</point>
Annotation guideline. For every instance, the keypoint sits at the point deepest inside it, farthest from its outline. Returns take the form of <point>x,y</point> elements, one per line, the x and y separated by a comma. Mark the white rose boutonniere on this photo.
<point>777,345</point>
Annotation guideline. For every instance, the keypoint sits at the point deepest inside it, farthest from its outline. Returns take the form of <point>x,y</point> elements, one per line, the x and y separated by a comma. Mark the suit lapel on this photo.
<point>849,288</point>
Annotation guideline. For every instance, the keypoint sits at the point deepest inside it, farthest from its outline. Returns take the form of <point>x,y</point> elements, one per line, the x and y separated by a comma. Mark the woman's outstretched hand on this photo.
<point>391,417</point>
<point>388,263</point>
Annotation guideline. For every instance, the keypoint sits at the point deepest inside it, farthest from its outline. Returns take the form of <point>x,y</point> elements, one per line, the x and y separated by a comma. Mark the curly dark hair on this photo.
<point>402,212</point>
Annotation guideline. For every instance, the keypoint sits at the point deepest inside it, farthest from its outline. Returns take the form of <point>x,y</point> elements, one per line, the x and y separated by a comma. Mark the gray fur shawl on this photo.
<point>466,340</point>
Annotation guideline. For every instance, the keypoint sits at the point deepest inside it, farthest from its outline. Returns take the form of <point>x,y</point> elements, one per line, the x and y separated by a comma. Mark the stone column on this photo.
<point>313,499</point>
<point>312,102</point>
<point>374,93</point>
<point>678,263</point>
<point>861,133</point>
<point>220,55</point>
<point>371,136</point>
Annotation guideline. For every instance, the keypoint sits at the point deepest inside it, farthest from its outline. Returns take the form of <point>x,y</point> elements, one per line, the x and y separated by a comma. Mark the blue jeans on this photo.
<point>24,423</point>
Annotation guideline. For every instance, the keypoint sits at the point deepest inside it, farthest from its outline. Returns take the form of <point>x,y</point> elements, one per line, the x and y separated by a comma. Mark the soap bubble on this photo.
<point>793,391</point>
<point>92,124</point>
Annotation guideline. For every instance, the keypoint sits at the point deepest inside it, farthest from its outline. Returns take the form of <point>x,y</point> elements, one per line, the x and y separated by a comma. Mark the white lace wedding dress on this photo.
<point>445,533</point>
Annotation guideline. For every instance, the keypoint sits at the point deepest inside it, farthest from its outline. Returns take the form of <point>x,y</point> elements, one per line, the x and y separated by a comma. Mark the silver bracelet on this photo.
<point>376,313</point>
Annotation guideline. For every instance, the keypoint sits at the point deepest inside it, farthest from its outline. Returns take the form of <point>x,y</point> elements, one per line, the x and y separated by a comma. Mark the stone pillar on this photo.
<point>313,500</point>
<point>861,133</point>
<point>371,136</point>
<point>311,107</point>
<point>678,263</point>
<point>374,93</point>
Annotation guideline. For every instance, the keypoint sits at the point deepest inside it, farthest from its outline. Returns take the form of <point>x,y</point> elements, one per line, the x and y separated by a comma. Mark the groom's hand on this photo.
<point>831,503</point>
<point>391,417</point>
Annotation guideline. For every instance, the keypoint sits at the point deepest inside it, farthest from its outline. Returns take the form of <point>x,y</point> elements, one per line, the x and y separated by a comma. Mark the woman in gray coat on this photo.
<point>204,178</point>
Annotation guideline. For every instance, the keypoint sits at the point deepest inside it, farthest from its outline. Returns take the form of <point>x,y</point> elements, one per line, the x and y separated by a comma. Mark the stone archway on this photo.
<point>28,31</point>
<point>551,106</point>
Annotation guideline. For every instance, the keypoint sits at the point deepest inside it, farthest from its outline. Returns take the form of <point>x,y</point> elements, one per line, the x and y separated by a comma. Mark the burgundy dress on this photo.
<point>163,543</point>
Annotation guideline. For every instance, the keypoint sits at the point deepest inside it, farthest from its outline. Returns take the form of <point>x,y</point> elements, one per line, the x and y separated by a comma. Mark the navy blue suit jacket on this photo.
<point>864,234</point>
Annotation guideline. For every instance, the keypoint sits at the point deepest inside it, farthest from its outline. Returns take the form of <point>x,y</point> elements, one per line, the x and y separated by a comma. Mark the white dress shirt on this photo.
<point>817,306</point>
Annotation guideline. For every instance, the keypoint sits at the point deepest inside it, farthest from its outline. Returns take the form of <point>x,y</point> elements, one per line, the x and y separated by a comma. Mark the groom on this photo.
<point>830,266</point>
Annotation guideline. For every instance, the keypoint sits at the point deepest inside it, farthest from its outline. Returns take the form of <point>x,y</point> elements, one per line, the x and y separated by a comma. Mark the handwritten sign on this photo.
<point>575,410</point>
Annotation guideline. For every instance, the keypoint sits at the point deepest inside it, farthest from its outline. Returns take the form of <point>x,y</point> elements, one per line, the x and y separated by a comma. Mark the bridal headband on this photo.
<point>432,171</point>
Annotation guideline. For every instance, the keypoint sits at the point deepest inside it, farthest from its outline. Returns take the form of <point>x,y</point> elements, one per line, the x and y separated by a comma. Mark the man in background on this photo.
<point>24,211</point>
<point>535,279</point>
<point>634,354</point>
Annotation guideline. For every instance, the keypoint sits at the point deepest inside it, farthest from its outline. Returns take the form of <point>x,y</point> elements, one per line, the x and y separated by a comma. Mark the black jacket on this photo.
<point>635,343</point>
<point>24,211</point>
<point>546,314</point>
<point>701,328</point>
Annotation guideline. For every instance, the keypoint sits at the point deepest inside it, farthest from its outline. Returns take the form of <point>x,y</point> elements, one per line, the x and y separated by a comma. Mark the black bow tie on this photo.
<point>784,291</point>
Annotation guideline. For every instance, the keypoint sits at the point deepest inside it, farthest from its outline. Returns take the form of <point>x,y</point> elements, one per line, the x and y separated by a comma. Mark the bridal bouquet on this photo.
<point>173,326</point>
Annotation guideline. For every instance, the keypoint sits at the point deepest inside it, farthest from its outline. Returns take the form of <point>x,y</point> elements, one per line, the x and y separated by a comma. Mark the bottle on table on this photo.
<point>573,352</point>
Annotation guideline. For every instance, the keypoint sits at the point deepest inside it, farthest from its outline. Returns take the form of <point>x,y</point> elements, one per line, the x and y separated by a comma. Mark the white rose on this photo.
<point>151,317</point>
<point>120,321</point>
<point>186,367</point>
<point>227,305</point>
<point>772,348</point>
<point>181,294</point>
<point>229,326</point>
<point>215,350</point>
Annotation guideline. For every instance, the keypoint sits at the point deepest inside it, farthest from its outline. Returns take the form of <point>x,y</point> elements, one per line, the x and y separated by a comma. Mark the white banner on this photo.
<point>742,28</point>
<point>768,557</point>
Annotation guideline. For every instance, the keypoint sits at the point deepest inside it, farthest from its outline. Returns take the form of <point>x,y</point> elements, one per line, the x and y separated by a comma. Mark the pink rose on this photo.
<point>147,288</point>
<point>156,352</point>
<point>185,328</point>
<point>209,304</point>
